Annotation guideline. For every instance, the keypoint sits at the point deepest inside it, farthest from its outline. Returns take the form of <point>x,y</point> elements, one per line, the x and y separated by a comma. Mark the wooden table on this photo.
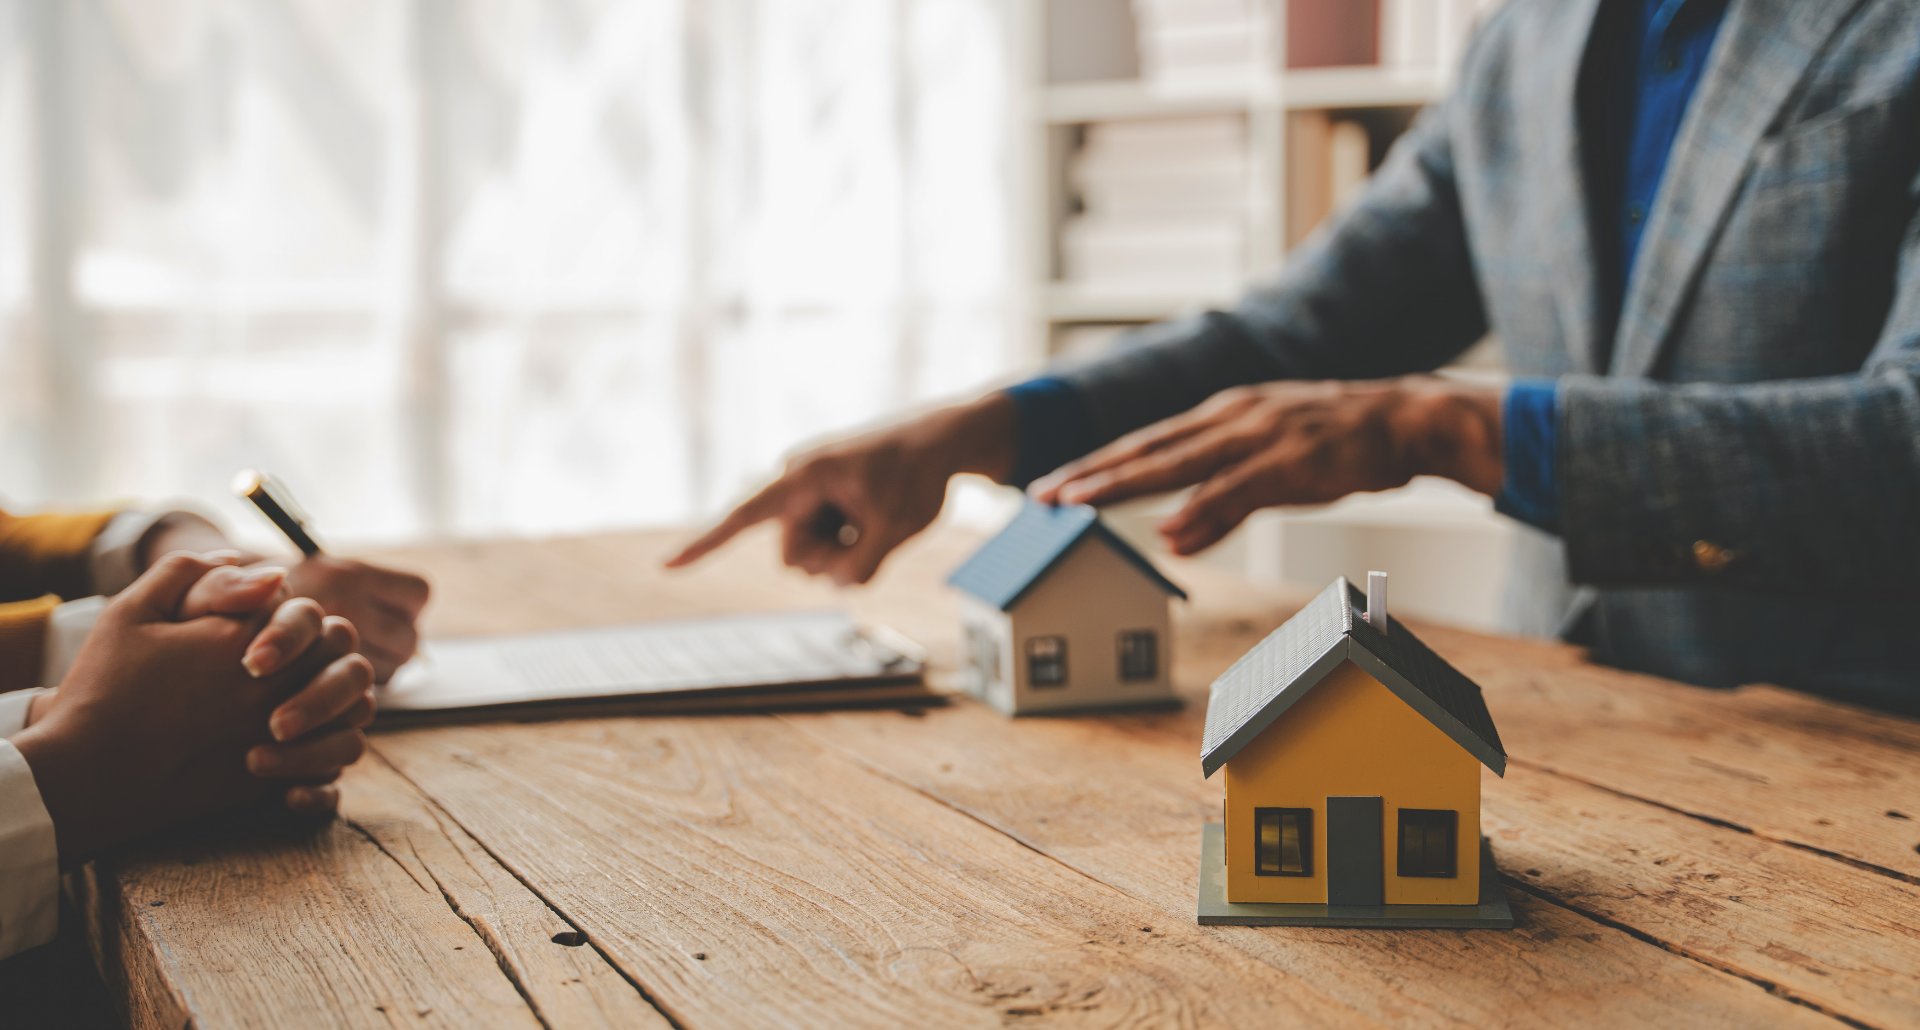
<point>1676,856</point>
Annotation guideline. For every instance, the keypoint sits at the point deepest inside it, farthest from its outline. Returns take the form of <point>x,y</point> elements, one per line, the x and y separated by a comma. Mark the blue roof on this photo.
<point>1002,570</point>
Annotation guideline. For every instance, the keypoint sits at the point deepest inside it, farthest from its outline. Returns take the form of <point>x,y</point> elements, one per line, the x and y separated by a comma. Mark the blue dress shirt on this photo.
<point>1644,62</point>
<point>1053,427</point>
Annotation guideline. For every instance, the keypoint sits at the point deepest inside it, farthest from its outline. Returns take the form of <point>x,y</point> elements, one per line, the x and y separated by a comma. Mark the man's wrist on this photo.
<point>1454,430</point>
<point>978,436</point>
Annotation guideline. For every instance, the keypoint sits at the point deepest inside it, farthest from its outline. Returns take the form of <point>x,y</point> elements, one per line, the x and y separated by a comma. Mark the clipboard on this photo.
<point>739,663</point>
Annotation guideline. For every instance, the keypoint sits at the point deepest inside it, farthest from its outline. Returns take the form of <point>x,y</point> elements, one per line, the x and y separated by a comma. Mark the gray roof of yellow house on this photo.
<point>1293,659</point>
<point>1006,567</point>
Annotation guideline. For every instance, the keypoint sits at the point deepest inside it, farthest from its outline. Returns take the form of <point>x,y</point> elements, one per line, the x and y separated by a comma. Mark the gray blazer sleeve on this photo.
<point>1387,289</point>
<point>1813,485</point>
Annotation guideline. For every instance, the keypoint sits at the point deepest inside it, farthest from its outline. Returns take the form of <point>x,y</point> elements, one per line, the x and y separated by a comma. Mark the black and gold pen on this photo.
<point>271,497</point>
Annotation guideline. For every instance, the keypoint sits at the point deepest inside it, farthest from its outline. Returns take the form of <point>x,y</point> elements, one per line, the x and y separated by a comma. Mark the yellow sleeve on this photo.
<point>48,554</point>
<point>23,641</point>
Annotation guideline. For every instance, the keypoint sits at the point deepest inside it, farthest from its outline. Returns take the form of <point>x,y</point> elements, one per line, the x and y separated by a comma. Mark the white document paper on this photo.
<point>717,654</point>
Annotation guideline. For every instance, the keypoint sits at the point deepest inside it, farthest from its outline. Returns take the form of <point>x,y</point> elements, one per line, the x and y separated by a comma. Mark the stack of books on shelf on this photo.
<point>1334,33</point>
<point>1424,36</point>
<point>1328,161</point>
<point>1200,39</point>
<point>1427,35</point>
<point>1184,40</point>
<point>1162,207</point>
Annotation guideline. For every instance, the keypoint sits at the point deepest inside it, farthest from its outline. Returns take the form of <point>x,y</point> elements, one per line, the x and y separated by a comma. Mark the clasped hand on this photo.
<point>202,687</point>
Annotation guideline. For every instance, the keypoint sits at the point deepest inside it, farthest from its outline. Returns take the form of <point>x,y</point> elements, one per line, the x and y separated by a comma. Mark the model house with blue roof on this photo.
<point>1061,614</point>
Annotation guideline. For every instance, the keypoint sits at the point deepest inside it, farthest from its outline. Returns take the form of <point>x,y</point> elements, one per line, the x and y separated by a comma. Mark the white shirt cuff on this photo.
<point>67,630</point>
<point>29,859</point>
<point>116,551</point>
<point>13,710</point>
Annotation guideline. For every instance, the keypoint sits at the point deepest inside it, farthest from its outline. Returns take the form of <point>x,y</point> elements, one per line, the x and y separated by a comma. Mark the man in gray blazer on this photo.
<point>1692,226</point>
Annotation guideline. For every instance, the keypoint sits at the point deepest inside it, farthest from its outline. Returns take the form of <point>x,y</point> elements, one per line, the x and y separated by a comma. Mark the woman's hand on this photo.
<point>1291,443</point>
<point>383,604</point>
<point>158,722</point>
<point>316,732</point>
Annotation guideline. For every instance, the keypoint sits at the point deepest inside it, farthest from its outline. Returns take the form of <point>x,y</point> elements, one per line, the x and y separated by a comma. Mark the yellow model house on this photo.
<point>1352,755</point>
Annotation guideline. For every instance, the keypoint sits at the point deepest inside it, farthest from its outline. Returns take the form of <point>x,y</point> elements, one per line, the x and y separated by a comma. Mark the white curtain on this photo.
<point>483,266</point>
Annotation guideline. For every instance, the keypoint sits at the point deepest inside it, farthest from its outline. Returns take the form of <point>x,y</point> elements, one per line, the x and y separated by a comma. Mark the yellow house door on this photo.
<point>1355,873</point>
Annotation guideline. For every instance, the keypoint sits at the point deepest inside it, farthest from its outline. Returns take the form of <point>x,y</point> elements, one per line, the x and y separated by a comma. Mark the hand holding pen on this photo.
<point>383,604</point>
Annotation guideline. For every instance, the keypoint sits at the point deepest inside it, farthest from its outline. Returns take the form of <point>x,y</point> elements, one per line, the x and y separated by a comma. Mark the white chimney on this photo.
<point>1377,600</point>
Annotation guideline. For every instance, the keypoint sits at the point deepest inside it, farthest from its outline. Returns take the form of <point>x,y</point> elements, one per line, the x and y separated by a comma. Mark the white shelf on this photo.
<point>1332,88</point>
<point>1075,102</point>
<point>1067,303</point>
<point>1305,89</point>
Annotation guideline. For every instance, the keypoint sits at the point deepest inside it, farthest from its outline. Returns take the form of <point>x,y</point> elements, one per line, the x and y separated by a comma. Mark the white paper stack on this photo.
<point>751,661</point>
<point>1199,39</point>
<point>1163,206</point>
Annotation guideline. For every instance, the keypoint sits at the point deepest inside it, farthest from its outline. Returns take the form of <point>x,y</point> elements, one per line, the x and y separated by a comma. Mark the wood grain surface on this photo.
<point>1676,856</point>
<point>237,923</point>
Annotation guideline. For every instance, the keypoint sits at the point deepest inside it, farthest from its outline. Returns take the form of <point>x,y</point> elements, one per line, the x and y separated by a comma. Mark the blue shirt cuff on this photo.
<point>1054,426</point>
<point>1531,490</point>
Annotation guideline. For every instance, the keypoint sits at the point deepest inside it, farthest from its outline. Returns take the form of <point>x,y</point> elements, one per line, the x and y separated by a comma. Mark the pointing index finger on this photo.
<point>758,508</point>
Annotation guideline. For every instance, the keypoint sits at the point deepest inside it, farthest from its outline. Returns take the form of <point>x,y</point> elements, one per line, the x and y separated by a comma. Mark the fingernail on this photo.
<point>260,660</point>
<point>223,556</point>
<point>300,797</point>
<point>261,575</point>
<point>257,761</point>
<point>284,726</point>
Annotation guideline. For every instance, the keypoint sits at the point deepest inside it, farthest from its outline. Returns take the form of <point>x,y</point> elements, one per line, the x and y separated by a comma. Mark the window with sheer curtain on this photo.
<point>485,266</point>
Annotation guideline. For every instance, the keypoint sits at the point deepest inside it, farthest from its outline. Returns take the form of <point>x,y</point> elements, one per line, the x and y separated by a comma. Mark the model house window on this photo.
<point>1427,842</point>
<point>1047,661</point>
<point>1283,841</point>
<point>985,649</point>
<point>1139,655</point>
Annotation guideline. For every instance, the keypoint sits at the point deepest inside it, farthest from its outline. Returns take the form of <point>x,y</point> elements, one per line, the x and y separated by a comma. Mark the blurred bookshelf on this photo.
<point>1181,147</point>
<point>1178,149</point>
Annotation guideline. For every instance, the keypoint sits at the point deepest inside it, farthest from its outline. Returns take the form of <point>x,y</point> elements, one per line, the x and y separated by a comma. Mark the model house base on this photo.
<point>1117,706</point>
<point>1492,913</point>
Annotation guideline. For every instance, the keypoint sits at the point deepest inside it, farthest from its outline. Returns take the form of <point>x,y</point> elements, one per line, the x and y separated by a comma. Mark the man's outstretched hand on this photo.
<point>844,507</point>
<point>1291,443</point>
